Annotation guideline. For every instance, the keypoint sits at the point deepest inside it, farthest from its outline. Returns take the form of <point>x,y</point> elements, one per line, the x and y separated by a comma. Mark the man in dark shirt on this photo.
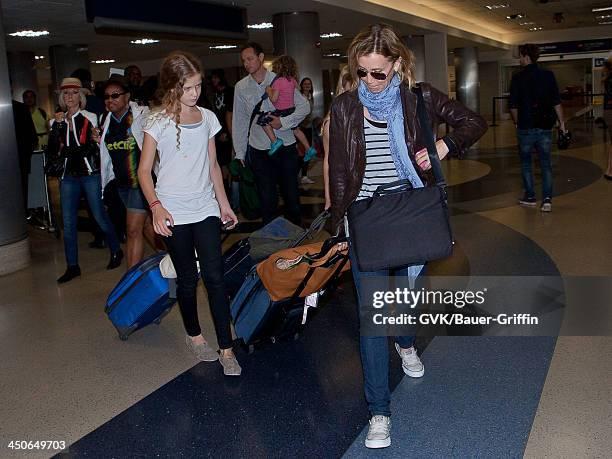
<point>535,106</point>
<point>138,94</point>
<point>27,141</point>
<point>223,103</point>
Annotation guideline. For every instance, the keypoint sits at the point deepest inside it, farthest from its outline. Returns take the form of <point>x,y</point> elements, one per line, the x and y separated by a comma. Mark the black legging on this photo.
<point>205,238</point>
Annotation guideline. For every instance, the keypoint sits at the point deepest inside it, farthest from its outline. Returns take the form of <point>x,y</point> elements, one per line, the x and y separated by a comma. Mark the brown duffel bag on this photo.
<point>300,271</point>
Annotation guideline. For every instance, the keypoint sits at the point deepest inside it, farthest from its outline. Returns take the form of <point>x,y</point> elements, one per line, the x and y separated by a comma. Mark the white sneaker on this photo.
<point>411,364</point>
<point>307,180</point>
<point>379,433</point>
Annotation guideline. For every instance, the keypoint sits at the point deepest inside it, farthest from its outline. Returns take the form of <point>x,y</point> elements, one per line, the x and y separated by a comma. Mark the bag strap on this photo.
<point>434,159</point>
<point>257,108</point>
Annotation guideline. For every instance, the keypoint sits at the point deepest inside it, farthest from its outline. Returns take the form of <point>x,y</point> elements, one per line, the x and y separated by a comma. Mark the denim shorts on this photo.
<point>133,199</point>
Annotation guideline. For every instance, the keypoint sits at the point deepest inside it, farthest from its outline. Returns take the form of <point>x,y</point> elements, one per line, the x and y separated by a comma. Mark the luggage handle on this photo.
<point>328,245</point>
<point>315,227</point>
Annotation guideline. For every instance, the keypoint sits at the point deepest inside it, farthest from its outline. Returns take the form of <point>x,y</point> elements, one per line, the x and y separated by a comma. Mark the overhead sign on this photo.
<point>584,46</point>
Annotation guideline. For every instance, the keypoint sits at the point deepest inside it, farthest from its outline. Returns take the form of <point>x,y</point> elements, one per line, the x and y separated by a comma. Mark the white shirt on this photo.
<point>247,93</point>
<point>184,186</point>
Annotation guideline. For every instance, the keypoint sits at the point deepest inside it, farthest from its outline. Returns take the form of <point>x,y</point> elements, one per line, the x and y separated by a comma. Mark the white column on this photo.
<point>14,245</point>
<point>436,61</point>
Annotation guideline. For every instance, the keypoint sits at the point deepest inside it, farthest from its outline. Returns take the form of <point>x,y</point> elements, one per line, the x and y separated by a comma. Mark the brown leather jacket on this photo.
<point>347,152</point>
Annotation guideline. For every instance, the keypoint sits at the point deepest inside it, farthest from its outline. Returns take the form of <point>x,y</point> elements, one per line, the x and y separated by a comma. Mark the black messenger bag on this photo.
<point>401,225</point>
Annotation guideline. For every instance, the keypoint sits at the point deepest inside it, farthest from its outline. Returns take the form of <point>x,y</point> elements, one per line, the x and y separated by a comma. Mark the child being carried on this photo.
<point>281,94</point>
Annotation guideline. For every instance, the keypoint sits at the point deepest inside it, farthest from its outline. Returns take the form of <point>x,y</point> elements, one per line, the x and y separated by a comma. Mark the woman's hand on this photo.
<point>227,215</point>
<point>95,135</point>
<point>422,156</point>
<point>162,220</point>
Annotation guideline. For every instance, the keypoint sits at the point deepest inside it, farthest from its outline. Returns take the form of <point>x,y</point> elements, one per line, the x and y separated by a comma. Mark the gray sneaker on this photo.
<point>379,433</point>
<point>546,205</point>
<point>230,365</point>
<point>203,352</point>
<point>411,364</point>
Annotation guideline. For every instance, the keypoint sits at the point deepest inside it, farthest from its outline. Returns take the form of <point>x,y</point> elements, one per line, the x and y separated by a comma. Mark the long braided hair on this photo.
<point>176,68</point>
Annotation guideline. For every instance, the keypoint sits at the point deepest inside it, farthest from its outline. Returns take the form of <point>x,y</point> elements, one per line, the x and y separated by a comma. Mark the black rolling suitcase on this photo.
<point>258,319</point>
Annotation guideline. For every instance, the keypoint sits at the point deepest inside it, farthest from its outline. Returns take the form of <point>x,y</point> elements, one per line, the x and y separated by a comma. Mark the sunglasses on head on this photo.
<point>362,73</point>
<point>114,95</point>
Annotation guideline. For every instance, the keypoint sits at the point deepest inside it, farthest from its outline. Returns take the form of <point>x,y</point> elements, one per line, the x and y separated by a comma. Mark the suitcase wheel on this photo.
<point>123,337</point>
<point>157,321</point>
<point>248,348</point>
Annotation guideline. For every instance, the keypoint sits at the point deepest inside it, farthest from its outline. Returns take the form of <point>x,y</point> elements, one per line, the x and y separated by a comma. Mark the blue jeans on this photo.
<point>541,140</point>
<point>375,349</point>
<point>70,194</point>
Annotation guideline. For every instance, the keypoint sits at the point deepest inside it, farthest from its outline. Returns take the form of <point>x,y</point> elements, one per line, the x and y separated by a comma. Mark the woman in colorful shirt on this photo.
<point>120,147</point>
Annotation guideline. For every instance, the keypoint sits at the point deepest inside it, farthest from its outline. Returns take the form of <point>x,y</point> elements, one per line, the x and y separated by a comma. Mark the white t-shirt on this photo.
<point>184,186</point>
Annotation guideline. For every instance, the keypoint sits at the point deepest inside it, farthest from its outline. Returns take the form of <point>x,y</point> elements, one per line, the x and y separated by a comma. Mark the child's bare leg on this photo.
<point>270,133</point>
<point>297,132</point>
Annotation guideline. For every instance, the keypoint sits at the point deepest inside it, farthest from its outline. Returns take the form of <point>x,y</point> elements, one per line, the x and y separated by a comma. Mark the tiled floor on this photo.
<point>65,373</point>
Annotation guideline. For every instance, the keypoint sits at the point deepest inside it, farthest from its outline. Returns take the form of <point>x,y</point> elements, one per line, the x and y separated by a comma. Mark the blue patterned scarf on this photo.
<point>387,106</point>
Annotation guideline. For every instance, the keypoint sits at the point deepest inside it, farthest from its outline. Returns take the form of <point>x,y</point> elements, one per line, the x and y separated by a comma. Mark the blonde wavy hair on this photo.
<point>82,99</point>
<point>176,68</point>
<point>381,39</point>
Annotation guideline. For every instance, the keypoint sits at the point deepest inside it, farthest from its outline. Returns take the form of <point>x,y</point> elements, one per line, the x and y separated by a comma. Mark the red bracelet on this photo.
<point>153,204</point>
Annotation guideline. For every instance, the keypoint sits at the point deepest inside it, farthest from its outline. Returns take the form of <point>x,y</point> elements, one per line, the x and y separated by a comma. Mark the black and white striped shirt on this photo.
<point>380,168</point>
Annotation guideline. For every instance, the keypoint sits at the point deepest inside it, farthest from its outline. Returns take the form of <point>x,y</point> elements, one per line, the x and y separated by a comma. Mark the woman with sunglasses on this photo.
<point>375,139</point>
<point>120,146</point>
<point>72,139</point>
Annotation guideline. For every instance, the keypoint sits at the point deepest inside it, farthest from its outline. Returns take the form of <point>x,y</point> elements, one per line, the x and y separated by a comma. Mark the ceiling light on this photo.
<point>535,28</point>
<point>224,47</point>
<point>29,33</point>
<point>103,61</point>
<point>527,23</point>
<point>605,23</point>
<point>332,55</point>
<point>39,57</point>
<point>144,41</point>
<point>601,8</point>
<point>331,35</point>
<point>497,7</point>
<point>605,16</point>
<point>261,25</point>
<point>515,16</point>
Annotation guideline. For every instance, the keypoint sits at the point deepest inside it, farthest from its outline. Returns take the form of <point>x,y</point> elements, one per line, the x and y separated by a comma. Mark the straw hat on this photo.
<point>71,83</point>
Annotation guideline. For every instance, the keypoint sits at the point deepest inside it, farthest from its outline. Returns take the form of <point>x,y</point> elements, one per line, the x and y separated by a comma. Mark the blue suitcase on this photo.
<point>142,296</point>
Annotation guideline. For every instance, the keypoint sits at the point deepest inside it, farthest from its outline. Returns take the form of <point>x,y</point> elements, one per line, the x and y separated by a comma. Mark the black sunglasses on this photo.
<point>114,95</point>
<point>362,73</point>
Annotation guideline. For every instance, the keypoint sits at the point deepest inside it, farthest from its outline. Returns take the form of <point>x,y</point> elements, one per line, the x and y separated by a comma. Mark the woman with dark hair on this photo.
<point>188,202</point>
<point>375,139</point>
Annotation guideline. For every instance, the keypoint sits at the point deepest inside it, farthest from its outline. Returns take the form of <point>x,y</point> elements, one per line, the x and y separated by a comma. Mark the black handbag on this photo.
<point>401,225</point>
